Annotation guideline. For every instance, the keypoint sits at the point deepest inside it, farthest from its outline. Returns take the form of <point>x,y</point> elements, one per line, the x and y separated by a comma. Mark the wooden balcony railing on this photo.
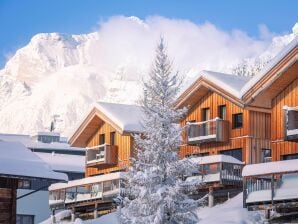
<point>101,155</point>
<point>216,130</point>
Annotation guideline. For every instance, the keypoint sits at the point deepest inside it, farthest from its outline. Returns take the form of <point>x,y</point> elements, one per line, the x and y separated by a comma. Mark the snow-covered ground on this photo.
<point>230,212</point>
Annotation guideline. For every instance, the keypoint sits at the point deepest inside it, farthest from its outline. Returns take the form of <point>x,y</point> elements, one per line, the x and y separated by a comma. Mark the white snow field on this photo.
<point>230,212</point>
<point>64,74</point>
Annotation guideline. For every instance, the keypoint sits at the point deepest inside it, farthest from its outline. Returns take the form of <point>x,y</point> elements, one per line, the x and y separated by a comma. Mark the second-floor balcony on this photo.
<point>216,130</point>
<point>101,155</point>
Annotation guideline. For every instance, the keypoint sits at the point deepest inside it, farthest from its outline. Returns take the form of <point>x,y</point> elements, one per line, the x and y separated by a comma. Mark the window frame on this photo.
<point>220,112</point>
<point>112,138</point>
<point>102,139</point>
<point>204,114</point>
<point>234,116</point>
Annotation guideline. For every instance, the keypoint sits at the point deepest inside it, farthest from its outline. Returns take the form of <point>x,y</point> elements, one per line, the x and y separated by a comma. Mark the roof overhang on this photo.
<point>89,126</point>
<point>284,72</point>
<point>199,89</point>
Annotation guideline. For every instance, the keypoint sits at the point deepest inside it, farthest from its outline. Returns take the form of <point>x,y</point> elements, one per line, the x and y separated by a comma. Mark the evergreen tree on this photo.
<point>154,182</point>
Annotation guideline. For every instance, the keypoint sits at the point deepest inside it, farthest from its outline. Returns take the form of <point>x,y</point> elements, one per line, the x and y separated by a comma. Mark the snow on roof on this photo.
<point>18,161</point>
<point>231,83</point>
<point>270,65</point>
<point>127,117</point>
<point>285,166</point>
<point>63,162</point>
<point>33,144</point>
<point>216,159</point>
<point>85,181</point>
<point>239,85</point>
<point>48,133</point>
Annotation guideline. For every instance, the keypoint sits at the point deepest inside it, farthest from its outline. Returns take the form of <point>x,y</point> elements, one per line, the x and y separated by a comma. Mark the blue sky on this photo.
<point>20,19</point>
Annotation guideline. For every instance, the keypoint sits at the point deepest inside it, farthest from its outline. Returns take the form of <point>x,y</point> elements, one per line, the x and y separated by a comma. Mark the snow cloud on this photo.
<point>130,40</point>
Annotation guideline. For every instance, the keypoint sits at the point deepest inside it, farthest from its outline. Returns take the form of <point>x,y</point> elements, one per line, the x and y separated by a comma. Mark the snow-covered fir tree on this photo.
<point>154,182</point>
<point>250,67</point>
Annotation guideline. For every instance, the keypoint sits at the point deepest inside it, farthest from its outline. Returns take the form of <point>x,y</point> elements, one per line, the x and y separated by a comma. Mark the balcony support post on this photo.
<point>95,211</point>
<point>211,197</point>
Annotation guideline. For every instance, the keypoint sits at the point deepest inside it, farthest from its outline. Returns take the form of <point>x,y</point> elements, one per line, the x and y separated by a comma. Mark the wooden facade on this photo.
<point>261,100</point>
<point>8,192</point>
<point>280,147</point>
<point>99,130</point>
<point>251,138</point>
<point>123,142</point>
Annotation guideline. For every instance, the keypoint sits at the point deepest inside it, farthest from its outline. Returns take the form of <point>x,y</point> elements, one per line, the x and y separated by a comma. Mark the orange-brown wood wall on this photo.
<point>288,97</point>
<point>251,138</point>
<point>124,144</point>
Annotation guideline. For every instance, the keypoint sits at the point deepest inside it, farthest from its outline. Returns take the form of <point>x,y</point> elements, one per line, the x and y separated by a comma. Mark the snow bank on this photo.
<point>230,212</point>
<point>59,216</point>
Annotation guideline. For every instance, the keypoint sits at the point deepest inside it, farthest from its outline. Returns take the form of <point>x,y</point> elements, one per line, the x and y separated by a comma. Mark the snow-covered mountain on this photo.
<point>64,74</point>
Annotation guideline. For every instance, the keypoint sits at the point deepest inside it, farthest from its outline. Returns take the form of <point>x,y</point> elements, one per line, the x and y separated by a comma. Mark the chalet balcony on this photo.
<point>216,130</point>
<point>101,155</point>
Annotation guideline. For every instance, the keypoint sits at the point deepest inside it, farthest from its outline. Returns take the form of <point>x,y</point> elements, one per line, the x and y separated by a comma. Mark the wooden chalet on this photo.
<point>17,163</point>
<point>276,89</point>
<point>273,185</point>
<point>218,122</point>
<point>107,133</point>
<point>253,119</point>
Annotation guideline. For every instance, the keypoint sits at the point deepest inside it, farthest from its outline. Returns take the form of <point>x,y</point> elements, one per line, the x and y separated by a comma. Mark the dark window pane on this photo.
<point>290,156</point>
<point>205,114</point>
<point>222,112</point>
<point>101,139</point>
<point>266,155</point>
<point>236,153</point>
<point>112,138</point>
<point>237,120</point>
<point>292,119</point>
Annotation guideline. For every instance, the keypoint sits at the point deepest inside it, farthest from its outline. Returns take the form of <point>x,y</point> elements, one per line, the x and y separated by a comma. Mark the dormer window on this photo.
<point>291,123</point>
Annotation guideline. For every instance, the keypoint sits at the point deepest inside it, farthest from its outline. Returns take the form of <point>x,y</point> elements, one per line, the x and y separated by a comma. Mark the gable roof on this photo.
<point>16,161</point>
<point>123,117</point>
<point>127,117</point>
<point>237,88</point>
<point>227,85</point>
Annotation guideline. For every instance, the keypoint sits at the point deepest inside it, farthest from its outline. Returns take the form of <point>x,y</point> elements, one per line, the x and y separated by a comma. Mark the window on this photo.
<point>25,219</point>
<point>112,138</point>
<point>198,154</point>
<point>107,186</point>
<point>237,120</point>
<point>266,155</point>
<point>236,153</point>
<point>205,114</point>
<point>102,139</point>
<point>222,112</point>
<point>290,156</point>
<point>24,184</point>
<point>291,123</point>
